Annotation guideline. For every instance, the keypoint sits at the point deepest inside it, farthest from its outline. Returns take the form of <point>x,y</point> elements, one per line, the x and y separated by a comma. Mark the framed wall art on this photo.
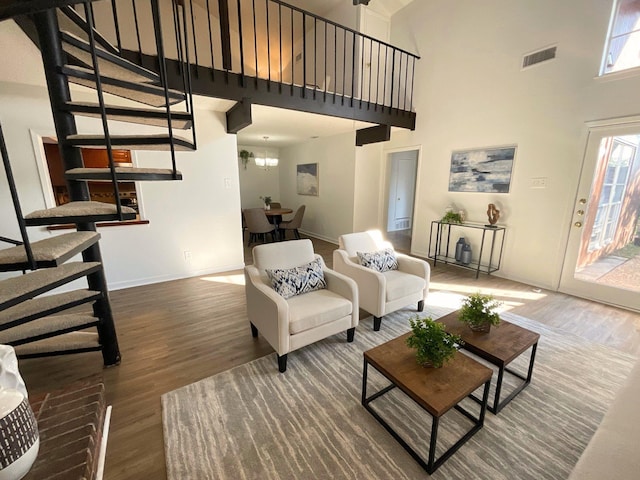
<point>482,170</point>
<point>307,179</point>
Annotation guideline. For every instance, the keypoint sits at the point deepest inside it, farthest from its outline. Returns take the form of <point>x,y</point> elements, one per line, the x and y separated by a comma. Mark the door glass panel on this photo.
<point>610,244</point>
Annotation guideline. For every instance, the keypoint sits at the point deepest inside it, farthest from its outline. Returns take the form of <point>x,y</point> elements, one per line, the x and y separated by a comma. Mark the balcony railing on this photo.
<point>267,40</point>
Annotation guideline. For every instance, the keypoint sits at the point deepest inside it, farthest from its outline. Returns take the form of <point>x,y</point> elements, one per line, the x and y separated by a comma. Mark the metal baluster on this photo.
<point>255,41</point>
<point>393,74</point>
<point>210,41</point>
<point>280,51</point>
<point>361,70</point>
<point>377,78</point>
<point>243,77</point>
<point>344,62</point>
<point>335,62</point>
<point>370,72</point>
<point>399,77</point>
<point>103,110</point>
<point>413,76</point>
<point>406,73</point>
<point>353,68</point>
<point>135,19</point>
<point>116,24</point>
<point>193,34</point>
<point>325,62</point>
<point>315,56</point>
<point>16,203</point>
<point>304,55</point>
<point>266,5</point>
<point>384,84</point>
<point>293,66</point>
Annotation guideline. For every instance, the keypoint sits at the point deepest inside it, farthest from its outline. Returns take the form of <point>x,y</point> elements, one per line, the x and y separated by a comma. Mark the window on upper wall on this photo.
<point>622,51</point>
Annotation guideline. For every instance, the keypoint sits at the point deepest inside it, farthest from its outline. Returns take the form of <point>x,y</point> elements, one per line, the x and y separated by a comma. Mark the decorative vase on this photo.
<point>459,246</point>
<point>465,258</point>
<point>19,439</point>
<point>9,374</point>
<point>482,328</point>
<point>267,207</point>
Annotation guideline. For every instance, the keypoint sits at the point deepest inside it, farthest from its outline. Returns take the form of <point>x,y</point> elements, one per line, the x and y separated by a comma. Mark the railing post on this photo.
<point>393,74</point>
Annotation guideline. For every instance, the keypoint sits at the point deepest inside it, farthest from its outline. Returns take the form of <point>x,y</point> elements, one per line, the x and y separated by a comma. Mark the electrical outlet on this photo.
<point>187,256</point>
<point>539,182</point>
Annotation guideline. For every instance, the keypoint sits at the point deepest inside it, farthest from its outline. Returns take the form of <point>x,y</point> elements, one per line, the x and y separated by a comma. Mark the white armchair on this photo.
<point>381,293</point>
<point>291,323</point>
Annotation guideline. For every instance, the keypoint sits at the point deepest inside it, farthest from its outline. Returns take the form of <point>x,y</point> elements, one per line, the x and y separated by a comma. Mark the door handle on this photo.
<point>578,224</point>
<point>582,201</point>
<point>580,212</point>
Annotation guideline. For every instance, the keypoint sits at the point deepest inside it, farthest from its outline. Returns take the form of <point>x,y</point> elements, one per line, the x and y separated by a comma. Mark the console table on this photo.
<point>441,248</point>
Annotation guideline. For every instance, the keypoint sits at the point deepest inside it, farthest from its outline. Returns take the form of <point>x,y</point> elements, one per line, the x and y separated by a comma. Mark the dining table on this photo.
<point>275,216</point>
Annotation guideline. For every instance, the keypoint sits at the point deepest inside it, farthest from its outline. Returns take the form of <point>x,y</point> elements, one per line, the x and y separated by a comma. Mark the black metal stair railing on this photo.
<point>289,48</point>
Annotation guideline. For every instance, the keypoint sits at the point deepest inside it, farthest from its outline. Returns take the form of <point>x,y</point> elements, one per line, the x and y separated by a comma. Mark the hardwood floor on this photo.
<point>175,333</point>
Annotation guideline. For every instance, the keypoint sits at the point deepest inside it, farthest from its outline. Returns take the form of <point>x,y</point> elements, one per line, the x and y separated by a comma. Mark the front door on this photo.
<point>603,252</point>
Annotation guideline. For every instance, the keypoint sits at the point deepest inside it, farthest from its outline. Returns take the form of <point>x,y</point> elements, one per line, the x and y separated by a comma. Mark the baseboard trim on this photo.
<point>319,237</point>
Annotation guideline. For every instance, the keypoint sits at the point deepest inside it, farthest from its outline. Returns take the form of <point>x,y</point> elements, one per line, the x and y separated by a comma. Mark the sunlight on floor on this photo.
<point>451,295</point>
<point>237,279</point>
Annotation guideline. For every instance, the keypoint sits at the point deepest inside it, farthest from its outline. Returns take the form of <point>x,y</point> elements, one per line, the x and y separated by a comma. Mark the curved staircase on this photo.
<point>34,317</point>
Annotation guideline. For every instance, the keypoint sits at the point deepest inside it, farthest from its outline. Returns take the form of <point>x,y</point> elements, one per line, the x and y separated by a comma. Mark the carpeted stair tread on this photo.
<point>78,212</point>
<point>70,21</point>
<point>46,327</point>
<point>45,305</point>
<point>148,94</point>
<point>123,174</point>
<point>49,252</point>
<point>142,116</point>
<point>132,142</point>
<point>68,342</point>
<point>110,65</point>
<point>23,287</point>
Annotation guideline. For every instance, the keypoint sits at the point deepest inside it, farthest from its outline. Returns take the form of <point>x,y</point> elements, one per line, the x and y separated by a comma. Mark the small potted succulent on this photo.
<point>433,345</point>
<point>478,311</point>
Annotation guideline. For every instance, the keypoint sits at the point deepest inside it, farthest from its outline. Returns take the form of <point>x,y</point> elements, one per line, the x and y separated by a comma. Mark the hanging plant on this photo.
<point>245,155</point>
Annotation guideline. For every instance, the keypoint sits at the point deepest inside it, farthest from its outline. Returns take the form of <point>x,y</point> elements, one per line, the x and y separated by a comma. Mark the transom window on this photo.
<point>622,51</point>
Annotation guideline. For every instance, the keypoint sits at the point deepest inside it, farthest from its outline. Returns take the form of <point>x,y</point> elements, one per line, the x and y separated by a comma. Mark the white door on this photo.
<point>402,188</point>
<point>602,260</point>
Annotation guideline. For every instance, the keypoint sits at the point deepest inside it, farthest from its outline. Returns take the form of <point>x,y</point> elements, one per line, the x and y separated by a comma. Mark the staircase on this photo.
<point>34,317</point>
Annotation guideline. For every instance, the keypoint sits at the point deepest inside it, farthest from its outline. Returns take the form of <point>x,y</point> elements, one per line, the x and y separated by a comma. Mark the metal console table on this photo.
<point>440,248</point>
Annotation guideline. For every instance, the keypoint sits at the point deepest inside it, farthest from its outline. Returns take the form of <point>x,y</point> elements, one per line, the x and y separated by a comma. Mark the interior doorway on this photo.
<point>402,168</point>
<point>603,253</point>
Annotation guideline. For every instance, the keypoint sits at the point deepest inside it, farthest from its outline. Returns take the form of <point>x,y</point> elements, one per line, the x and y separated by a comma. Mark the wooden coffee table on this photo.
<point>437,390</point>
<point>501,346</point>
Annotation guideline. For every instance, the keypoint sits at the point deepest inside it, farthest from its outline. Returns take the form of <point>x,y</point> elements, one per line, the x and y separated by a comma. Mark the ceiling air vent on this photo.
<point>539,57</point>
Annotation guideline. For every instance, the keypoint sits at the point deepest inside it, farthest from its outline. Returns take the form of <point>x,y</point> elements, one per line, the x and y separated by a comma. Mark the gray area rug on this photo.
<point>253,423</point>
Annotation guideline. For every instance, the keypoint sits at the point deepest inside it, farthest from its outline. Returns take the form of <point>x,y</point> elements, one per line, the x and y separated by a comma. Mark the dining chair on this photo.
<point>258,224</point>
<point>275,205</point>
<point>293,224</point>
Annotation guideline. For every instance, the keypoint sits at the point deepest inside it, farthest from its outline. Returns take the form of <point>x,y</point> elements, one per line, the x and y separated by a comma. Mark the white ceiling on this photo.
<point>288,127</point>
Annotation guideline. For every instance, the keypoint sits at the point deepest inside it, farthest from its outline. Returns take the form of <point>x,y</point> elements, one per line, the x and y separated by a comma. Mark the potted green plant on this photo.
<point>433,345</point>
<point>452,217</point>
<point>245,155</point>
<point>478,311</point>
<point>267,201</point>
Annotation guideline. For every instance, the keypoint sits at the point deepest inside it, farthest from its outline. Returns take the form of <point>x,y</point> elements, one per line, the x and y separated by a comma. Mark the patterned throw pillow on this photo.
<point>297,280</point>
<point>382,260</point>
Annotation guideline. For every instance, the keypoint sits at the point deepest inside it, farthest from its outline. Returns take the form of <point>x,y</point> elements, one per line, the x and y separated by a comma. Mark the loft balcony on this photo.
<point>263,52</point>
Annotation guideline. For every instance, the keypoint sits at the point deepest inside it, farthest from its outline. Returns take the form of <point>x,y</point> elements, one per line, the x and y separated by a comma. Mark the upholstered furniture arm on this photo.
<point>414,266</point>
<point>345,287</point>
<point>371,284</point>
<point>267,310</point>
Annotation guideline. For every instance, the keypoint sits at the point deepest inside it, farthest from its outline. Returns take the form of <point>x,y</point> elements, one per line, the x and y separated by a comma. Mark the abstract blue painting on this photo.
<point>482,170</point>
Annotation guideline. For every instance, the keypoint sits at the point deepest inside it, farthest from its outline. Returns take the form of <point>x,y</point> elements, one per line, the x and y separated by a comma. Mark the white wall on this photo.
<point>471,92</point>
<point>256,182</point>
<point>367,200</point>
<point>330,214</point>
<point>199,214</point>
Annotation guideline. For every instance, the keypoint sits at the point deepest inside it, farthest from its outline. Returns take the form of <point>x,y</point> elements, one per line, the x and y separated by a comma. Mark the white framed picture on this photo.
<point>482,169</point>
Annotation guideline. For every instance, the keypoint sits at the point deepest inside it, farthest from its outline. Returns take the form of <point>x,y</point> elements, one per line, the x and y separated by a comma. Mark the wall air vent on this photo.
<point>539,57</point>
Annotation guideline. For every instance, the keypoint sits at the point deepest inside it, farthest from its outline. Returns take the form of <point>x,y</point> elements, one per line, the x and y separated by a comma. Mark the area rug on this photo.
<point>252,422</point>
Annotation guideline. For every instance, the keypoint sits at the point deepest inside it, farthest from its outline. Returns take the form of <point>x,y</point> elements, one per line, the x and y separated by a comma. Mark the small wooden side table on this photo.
<point>436,390</point>
<point>501,346</point>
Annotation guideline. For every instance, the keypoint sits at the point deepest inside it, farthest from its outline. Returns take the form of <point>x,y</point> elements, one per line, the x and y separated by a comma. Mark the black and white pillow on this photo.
<point>382,260</point>
<point>298,280</point>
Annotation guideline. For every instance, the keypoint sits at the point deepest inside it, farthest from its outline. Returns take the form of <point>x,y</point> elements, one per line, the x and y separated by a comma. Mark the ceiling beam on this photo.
<point>239,116</point>
<point>379,133</point>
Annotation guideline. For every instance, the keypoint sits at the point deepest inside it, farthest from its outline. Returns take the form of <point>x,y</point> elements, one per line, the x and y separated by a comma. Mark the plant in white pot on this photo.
<point>433,345</point>
<point>478,311</point>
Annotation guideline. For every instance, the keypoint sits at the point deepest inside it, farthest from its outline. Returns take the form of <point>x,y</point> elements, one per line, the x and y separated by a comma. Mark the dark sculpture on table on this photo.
<point>494,214</point>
